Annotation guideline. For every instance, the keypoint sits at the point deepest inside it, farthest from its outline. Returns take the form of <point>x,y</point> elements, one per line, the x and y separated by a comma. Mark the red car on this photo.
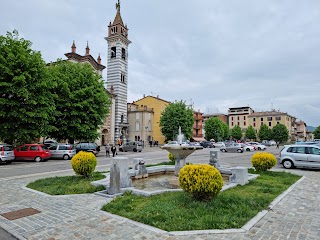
<point>36,152</point>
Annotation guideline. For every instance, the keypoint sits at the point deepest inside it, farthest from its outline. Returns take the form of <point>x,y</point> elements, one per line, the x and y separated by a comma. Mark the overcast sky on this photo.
<point>216,54</point>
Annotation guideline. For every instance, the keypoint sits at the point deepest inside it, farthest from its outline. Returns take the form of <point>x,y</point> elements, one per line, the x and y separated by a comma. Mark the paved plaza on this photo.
<point>296,216</point>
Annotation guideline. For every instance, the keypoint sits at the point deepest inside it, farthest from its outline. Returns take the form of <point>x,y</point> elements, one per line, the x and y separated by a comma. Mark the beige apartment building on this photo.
<point>272,118</point>
<point>140,119</point>
<point>239,116</point>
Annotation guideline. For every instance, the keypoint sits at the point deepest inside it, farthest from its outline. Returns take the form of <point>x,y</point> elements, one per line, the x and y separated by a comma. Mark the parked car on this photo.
<point>300,156</point>
<point>131,146</point>
<point>6,153</point>
<point>258,146</point>
<point>36,152</point>
<point>236,147</point>
<point>62,151</point>
<point>206,144</point>
<point>194,144</point>
<point>218,144</point>
<point>88,147</point>
<point>247,147</point>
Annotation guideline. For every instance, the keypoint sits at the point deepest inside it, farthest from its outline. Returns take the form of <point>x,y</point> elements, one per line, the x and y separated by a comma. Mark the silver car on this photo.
<point>232,148</point>
<point>131,146</point>
<point>300,156</point>
<point>6,153</point>
<point>62,151</point>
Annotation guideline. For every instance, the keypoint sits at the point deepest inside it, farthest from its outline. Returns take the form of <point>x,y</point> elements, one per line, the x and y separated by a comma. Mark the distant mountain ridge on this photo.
<point>310,128</point>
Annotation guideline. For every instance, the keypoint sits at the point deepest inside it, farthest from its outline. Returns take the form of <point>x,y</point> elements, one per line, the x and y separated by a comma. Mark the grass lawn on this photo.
<point>67,185</point>
<point>177,211</point>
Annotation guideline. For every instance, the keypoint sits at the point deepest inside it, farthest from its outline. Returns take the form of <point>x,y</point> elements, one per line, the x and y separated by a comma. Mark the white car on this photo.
<point>247,147</point>
<point>218,144</point>
<point>258,146</point>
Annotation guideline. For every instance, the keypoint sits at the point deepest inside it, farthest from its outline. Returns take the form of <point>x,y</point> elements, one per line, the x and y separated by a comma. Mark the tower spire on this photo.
<point>73,47</point>
<point>87,49</point>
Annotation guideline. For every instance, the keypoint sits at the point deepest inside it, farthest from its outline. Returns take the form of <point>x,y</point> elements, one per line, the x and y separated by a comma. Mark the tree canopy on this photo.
<point>26,103</point>
<point>236,132</point>
<point>316,133</point>
<point>280,133</point>
<point>264,132</point>
<point>175,115</point>
<point>250,133</point>
<point>216,129</point>
<point>81,101</point>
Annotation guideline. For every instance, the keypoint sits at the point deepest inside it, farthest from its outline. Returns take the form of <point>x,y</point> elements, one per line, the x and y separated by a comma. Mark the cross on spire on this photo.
<point>118,6</point>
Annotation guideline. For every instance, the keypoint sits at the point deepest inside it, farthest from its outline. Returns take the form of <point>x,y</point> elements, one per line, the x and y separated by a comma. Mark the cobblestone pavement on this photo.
<point>296,216</point>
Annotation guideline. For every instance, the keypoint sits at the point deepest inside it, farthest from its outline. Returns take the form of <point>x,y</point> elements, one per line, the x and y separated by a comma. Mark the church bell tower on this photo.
<point>117,71</point>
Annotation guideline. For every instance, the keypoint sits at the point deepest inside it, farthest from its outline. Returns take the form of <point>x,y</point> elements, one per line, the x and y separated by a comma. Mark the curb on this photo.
<point>12,232</point>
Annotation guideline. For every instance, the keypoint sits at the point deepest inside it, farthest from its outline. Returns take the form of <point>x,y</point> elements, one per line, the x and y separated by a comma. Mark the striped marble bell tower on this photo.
<point>117,72</point>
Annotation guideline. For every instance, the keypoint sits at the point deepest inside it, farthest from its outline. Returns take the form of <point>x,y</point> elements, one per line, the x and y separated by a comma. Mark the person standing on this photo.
<point>107,150</point>
<point>113,150</point>
<point>278,145</point>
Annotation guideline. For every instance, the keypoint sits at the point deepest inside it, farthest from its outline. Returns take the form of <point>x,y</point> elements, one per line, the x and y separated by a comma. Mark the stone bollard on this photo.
<point>114,187</point>
<point>239,175</point>
<point>123,165</point>
<point>215,158</point>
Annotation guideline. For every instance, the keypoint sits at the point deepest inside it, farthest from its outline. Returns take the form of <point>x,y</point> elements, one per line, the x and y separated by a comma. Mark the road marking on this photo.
<point>43,173</point>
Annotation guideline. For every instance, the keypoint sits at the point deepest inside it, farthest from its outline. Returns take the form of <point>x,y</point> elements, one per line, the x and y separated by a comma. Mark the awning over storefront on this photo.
<point>197,139</point>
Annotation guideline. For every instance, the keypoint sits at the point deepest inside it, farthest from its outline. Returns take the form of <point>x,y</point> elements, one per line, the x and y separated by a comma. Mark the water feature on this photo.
<point>180,151</point>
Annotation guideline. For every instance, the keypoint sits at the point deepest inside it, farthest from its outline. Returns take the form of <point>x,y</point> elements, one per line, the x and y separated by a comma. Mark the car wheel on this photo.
<point>121,150</point>
<point>287,164</point>
<point>239,151</point>
<point>8,162</point>
<point>37,159</point>
<point>248,149</point>
<point>66,157</point>
<point>135,150</point>
<point>213,146</point>
<point>224,150</point>
<point>259,148</point>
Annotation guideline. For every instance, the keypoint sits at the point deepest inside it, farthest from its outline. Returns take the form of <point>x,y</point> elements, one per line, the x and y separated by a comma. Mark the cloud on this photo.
<point>220,54</point>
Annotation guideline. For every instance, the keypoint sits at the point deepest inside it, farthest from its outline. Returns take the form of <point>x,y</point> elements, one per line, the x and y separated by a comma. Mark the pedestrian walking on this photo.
<point>107,150</point>
<point>113,150</point>
<point>278,144</point>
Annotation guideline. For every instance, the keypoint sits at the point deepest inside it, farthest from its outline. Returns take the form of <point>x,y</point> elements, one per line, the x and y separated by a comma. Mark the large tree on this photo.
<point>176,115</point>
<point>26,103</point>
<point>316,133</point>
<point>264,132</point>
<point>280,133</point>
<point>81,101</point>
<point>236,132</point>
<point>250,133</point>
<point>215,129</point>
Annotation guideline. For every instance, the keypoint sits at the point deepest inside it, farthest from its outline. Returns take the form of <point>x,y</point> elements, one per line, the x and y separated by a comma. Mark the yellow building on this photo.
<point>158,105</point>
<point>271,118</point>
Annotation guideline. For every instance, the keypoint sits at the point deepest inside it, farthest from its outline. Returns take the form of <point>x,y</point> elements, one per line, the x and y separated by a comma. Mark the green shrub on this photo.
<point>171,157</point>
<point>262,161</point>
<point>203,181</point>
<point>84,163</point>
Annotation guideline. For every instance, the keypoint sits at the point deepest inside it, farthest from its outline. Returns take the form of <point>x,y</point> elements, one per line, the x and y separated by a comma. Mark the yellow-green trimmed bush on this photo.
<point>171,157</point>
<point>203,181</point>
<point>262,161</point>
<point>84,163</point>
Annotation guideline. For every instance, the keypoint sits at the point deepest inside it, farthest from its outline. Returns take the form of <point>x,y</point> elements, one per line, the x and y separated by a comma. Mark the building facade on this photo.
<point>117,72</point>
<point>197,133</point>
<point>239,116</point>
<point>158,105</point>
<point>271,118</point>
<point>140,120</point>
